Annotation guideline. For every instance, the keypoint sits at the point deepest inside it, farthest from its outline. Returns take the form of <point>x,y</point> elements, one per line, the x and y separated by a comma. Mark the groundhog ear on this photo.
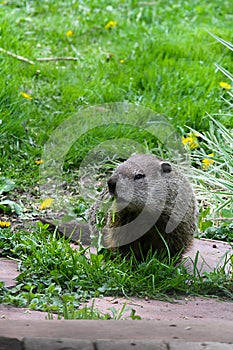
<point>165,167</point>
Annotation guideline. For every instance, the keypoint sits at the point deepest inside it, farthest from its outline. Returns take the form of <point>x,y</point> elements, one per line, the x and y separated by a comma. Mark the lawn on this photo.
<point>154,55</point>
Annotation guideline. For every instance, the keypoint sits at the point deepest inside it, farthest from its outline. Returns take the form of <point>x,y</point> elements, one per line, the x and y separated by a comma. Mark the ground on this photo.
<point>186,308</point>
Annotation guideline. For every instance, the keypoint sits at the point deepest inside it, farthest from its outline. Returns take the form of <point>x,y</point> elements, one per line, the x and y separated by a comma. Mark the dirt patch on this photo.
<point>211,255</point>
<point>186,309</point>
<point>8,312</point>
<point>8,272</point>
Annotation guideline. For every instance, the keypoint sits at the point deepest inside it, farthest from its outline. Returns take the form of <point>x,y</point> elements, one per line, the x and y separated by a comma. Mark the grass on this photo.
<point>160,56</point>
<point>215,148</point>
<point>168,66</point>
<point>56,278</point>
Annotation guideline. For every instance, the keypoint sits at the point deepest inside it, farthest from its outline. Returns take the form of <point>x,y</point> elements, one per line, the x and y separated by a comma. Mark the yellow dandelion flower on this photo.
<point>122,61</point>
<point>207,162</point>
<point>5,224</point>
<point>46,203</point>
<point>110,24</point>
<point>69,33</point>
<point>224,85</point>
<point>39,161</point>
<point>25,95</point>
<point>190,141</point>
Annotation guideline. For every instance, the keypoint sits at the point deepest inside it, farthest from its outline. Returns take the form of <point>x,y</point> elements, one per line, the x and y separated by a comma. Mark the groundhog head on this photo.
<point>140,182</point>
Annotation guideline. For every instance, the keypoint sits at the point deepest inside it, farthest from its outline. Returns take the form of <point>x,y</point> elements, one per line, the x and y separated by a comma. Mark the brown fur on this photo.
<point>153,203</point>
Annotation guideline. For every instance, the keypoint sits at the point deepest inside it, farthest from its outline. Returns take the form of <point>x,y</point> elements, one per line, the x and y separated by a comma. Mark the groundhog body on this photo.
<point>153,207</point>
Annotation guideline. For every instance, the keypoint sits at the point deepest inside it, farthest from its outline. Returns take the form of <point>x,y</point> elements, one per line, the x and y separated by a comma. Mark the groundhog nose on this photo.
<point>112,184</point>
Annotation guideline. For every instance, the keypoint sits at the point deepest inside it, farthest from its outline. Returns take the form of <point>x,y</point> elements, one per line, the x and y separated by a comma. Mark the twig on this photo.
<point>20,58</point>
<point>147,3</point>
<point>43,59</point>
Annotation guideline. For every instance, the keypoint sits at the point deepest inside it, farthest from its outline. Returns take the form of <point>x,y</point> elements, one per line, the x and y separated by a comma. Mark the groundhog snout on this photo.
<point>112,181</point>
<point>119,188</point>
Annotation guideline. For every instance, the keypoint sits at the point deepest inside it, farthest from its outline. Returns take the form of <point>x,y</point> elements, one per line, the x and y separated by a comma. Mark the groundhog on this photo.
<point>153,207</point>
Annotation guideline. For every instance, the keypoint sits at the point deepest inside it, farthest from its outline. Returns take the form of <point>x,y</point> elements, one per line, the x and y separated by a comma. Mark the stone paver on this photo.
<point>107,344</point>
<point>131,345</point>
<point>182,330</point>
<point>200,346</point>
<point>156,345</point>
<point>57,344</point>
<point>10,344</point>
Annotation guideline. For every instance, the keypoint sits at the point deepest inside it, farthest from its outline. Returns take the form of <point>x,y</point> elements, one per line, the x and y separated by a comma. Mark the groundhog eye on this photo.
<point>139,176</point>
